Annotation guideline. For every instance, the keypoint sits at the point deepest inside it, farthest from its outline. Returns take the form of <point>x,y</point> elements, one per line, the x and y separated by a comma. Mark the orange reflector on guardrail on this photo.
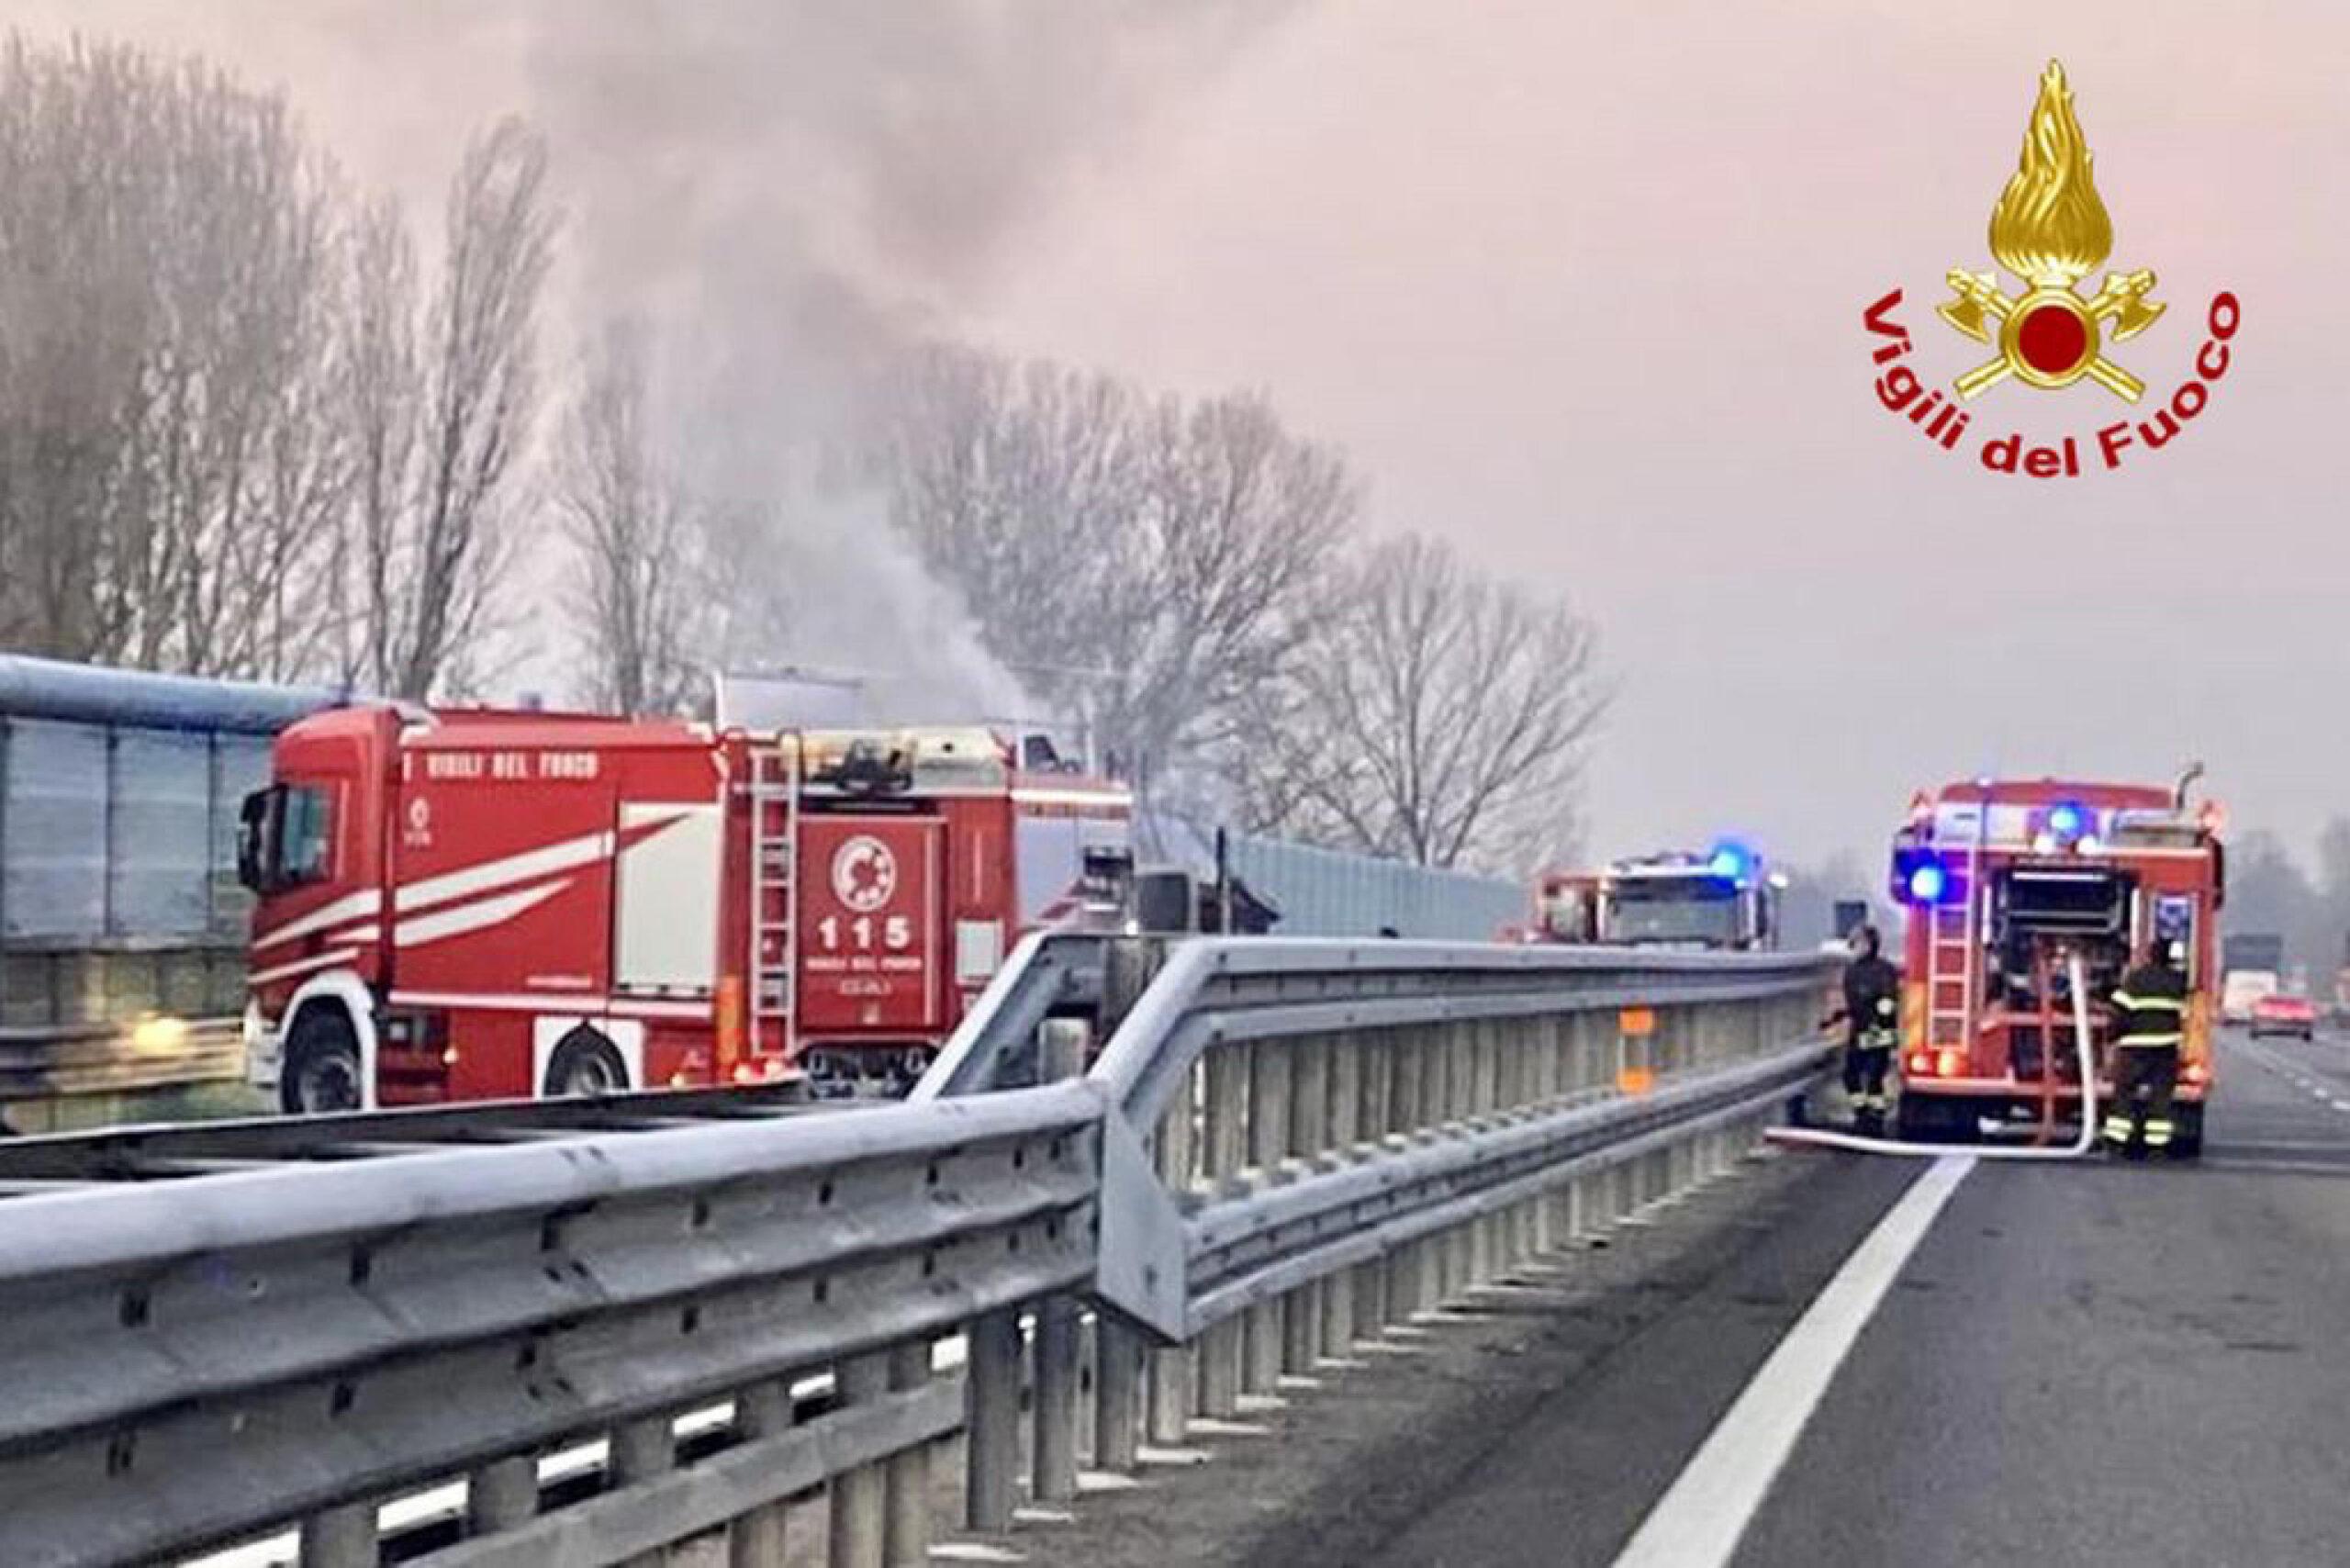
<point>1637,1023</point>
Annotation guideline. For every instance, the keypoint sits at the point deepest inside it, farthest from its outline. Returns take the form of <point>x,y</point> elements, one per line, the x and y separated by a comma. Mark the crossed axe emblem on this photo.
<point>1984,312</point>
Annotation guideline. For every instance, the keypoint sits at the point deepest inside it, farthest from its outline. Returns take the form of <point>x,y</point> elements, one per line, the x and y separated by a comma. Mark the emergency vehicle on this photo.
<point>2004,883</point>
<point>464,904</point>
<point>1720,900</point>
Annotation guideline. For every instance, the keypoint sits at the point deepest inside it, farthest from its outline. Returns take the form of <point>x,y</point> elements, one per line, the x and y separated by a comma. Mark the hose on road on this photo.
<point>2082,1146</point>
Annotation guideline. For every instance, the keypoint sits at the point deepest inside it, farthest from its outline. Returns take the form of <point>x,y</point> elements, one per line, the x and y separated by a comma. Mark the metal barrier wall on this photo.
<point>1335,892</point>
<point>118,895</point>
<point>1284,1145</point>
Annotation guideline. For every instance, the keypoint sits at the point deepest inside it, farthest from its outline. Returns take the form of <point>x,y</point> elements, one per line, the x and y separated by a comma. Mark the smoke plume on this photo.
<point>796,196</point>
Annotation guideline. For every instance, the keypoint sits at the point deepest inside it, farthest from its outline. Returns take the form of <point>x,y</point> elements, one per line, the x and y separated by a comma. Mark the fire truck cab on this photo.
<point>1721,900</point>
<point>471,904</point>
<point>2006,883</point>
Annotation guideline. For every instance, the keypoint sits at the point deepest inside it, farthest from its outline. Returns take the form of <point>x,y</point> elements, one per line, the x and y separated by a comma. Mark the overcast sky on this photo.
<point>1579,286</point>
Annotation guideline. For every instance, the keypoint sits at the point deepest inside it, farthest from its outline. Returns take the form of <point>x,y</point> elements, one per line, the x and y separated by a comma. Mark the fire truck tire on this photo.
<point>321,1064</point>
<point>584,1062</point>
<point>1934,1118</point>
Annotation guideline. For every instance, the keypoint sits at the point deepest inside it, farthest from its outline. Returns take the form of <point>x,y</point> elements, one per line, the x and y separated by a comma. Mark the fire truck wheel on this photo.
<point>321,1064</point>
<point>584,1062</point>
<point>1933,1118</point>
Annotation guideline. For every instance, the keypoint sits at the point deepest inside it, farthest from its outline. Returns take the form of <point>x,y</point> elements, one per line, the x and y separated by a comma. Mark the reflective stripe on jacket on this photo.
<point>2150,1007</point>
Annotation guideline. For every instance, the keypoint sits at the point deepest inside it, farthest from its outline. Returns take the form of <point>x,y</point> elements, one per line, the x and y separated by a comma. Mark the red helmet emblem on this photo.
<point>865,874</point>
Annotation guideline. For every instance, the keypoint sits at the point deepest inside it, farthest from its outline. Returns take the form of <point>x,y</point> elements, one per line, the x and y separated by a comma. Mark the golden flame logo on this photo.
<point>2050,230</point>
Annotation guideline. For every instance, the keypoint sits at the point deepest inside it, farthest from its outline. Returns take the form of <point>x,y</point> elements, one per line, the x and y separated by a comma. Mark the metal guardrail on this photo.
<point>1283,1146</point>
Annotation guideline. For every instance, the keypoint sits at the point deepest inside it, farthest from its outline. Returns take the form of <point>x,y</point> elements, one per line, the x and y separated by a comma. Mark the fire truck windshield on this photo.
<point>2089,901</point>
<point>1566,914</point>
<point>1674,909</point>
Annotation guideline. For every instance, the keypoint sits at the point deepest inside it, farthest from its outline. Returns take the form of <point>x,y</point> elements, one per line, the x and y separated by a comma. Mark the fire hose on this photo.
<point>1821,1137</point>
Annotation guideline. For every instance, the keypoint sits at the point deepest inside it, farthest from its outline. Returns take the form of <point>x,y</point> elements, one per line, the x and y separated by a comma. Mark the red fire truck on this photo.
<point>2006,883</point>
<point>1721,900</point>
<point>465,905</point>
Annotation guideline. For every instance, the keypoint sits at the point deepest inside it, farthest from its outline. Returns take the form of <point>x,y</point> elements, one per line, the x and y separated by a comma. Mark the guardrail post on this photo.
<point>760,1538</point>
<point>1260,1371</point>
<point>1054,1479</point>
<point>1578,1066</point>
<point>859,1497</point>
<point>1309,1141</point>
<point>1484,1233</point>
<point>1534,1059</point>
<point>1459,1099</point>
<point>501,1494</point>
<point>1376,1051</point>
<point>1226,1119</point>
<point>640,1450</point>
<point>1338,1140</point>
<point>1553,1085</point>
<point>1170,1368</point>
<point>906,1508</point>
<point>1061,1054</point>
<point>341,1537</point>
<point>1432,1110</point>
<point>992,1458</point>
<point>1117,1394</point>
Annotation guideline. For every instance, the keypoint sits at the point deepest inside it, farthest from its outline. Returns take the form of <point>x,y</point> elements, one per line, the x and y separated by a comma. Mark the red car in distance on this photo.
<point>2282,1015</point>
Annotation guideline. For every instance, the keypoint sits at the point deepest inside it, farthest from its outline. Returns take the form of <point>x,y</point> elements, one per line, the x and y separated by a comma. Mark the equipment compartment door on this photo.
<point>868,923</point>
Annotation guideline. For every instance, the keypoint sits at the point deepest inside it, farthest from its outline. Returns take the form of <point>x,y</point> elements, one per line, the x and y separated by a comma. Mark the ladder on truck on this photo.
<point>775,859</point>
<point>1952,962</point>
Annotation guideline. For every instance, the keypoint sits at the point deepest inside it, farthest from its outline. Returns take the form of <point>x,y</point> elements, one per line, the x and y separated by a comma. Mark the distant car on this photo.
<point>2283,1014</point>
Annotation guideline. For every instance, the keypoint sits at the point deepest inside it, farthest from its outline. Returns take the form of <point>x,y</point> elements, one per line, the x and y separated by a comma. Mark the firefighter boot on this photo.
<point>2116,1129</point>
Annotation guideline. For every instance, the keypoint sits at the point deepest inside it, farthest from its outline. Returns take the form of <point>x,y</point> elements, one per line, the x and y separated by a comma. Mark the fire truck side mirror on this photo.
<point>252,838</point>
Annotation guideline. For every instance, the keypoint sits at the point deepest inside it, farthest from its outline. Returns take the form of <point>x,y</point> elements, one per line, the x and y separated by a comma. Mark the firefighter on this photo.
<point>2149,1022</point>
<point>1872,1017</point>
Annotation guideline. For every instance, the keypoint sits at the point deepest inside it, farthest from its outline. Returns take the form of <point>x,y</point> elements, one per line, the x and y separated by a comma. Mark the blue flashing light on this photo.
<point>2066,819</point>
<point>1731,862</point>
<point>1926,882</point>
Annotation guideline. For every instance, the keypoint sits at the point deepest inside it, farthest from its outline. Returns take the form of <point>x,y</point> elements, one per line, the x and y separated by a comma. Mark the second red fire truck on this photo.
<point>2006,883</point>
<point>468,905</point>
<point>1720,900</point>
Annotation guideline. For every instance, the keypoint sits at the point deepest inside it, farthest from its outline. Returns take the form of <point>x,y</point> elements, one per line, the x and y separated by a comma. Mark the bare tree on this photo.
<point>625,515</point>
<point>1022,487</point>
<point>246,424</point>
<point>1433,714</point>
<point>1138,564</point>
<point>77,161</point>
<point>1240,520</point>
<point>480,394</point>
<point>383,395</point>
<point>168,272</point>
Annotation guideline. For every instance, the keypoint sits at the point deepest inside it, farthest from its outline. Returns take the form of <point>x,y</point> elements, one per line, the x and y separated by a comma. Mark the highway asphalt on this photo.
<point>2078,1364</point>
<point>2088,1362</point>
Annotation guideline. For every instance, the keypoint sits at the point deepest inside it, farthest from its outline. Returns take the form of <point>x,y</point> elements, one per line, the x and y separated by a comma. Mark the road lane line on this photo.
<point>1702,1517</point>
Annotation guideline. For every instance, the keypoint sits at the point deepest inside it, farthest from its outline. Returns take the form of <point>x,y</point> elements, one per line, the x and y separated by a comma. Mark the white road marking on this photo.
<point>1702,1517</point>
<point>973,1551</point>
